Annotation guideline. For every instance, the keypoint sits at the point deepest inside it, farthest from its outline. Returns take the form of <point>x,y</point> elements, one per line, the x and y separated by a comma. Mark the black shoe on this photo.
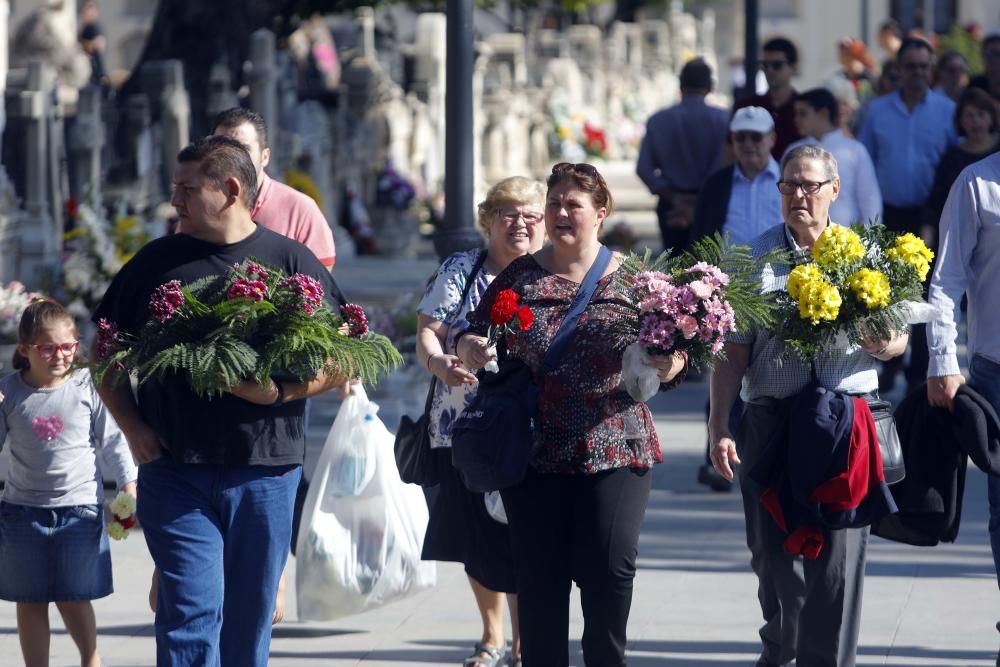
<point>710,477</point>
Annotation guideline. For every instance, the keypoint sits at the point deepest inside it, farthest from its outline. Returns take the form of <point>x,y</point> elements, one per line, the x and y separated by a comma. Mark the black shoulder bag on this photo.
<point>413,441</point>
<point>492,438</point>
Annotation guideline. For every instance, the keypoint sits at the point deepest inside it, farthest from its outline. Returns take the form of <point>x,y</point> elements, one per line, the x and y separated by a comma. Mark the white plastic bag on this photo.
<point>641,380</point>
<point>362,528</point>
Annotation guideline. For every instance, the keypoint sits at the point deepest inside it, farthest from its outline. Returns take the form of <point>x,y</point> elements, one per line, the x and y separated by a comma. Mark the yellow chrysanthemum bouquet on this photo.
<point>859,281</point>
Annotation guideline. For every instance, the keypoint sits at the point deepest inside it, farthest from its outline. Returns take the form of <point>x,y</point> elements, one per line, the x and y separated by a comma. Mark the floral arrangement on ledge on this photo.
<point>860,282</point>
<point>14,298</point>
<point>254,322</point>
<point>95,249</point>
<point>393,189</point>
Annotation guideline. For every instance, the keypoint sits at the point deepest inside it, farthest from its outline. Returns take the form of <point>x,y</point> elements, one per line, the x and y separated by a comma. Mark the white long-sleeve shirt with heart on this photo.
<point>54,436</point>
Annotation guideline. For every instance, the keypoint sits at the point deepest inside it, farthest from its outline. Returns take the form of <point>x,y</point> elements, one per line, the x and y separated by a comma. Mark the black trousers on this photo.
<point>582,528</point>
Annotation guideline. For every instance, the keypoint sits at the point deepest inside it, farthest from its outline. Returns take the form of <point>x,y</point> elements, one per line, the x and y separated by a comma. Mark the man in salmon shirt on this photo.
<point>278,207</point>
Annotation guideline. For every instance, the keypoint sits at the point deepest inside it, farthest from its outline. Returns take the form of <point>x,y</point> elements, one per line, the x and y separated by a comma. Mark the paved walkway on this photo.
<point>694,601</point>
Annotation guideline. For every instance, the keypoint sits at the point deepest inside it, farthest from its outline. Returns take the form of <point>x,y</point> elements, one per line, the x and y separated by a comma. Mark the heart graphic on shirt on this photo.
<point>47,428</point>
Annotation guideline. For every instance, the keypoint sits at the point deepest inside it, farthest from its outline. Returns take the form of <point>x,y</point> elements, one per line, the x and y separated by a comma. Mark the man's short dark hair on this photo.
<point>696,75</point>
<point>914,43</point>
<point>820,98</point>
<point>222,158</point>
<point>784,46</point>
<point>236,116</point>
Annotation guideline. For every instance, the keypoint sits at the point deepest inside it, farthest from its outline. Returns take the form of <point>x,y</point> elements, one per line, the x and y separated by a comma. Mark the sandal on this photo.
<point>493,657</point>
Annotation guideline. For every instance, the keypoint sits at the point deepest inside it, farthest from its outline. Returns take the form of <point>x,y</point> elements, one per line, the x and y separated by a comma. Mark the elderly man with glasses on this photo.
<point>740,200</point>
<point>811,606</point>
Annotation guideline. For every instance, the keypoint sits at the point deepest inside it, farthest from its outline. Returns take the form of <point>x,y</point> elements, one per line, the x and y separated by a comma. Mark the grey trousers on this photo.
<point>811,608</point>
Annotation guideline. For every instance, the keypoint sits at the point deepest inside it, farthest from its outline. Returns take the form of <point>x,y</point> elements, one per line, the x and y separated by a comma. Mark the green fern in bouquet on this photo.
<point>253,323</point>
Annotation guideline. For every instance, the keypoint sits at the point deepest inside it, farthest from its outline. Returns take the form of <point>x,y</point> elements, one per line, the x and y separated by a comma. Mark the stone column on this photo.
<point>37,238</point>
<point>86,142</point>
<point>176,119</point>
<point>263,77</point>
<point>366,24</point>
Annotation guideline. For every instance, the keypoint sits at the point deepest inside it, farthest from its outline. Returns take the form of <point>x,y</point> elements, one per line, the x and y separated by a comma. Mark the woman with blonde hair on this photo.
<point>462,529</point>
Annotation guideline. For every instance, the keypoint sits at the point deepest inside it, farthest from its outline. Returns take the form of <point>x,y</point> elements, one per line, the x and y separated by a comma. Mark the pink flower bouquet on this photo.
<point>254,322</point>
<point>689,303</point>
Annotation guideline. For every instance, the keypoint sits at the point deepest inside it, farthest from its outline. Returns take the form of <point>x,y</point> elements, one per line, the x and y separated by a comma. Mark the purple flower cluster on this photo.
<point>308,288</point>
<point>255,270</point>
<point>689,307</point>
<point>166,299</point>
<point>245,288</point>
<point>393,189</point>
<point>107,338</point>
<point>354,316</point>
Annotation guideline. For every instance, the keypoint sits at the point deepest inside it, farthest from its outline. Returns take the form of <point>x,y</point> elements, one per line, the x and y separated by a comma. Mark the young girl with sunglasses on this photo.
<point>53,543</point>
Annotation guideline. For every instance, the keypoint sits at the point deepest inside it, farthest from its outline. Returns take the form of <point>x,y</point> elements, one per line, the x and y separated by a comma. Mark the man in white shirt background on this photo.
<point>860,200</point>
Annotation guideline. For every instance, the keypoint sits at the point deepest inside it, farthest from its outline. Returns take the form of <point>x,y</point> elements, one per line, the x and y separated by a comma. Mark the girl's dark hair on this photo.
<point>585,177</point>
<point>978,99</point>
<point>39,315</point>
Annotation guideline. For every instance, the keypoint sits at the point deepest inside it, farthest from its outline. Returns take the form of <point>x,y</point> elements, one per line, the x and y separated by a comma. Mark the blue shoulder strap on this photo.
<point>568,327</point>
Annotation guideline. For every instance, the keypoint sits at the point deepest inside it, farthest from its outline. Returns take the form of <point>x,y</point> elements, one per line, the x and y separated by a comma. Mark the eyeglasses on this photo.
<point>772,64</point>
<point>511,215</point>
<point>48,350</point>
<point>740,137</point>
<point>580,168</point>
<point>808,187</point>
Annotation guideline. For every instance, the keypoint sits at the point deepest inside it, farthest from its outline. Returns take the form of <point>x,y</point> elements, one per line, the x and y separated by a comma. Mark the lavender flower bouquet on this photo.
<point>689,303</point>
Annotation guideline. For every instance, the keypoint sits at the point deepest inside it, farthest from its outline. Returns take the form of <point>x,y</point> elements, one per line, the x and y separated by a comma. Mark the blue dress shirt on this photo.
<point>907,146</point>
<point>754,205</point>
<point>968,262</point>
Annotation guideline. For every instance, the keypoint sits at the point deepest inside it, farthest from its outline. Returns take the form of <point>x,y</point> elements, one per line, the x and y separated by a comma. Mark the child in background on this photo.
<point>53,543</point>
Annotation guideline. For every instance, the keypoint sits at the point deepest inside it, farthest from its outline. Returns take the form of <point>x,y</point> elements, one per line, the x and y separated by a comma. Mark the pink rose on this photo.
<point>687,325</point>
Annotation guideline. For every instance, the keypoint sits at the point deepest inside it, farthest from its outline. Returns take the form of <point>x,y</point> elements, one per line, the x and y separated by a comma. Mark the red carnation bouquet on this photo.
<point>506,316</point>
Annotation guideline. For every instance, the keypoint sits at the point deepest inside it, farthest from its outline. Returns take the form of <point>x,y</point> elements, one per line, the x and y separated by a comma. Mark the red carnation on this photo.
<point>128,523</point>
<point>525,317</point>
<point>504,307</point>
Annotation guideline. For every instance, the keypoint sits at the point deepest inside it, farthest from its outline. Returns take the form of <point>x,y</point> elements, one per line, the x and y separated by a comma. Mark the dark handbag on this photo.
<point>888,441</point>
<point>492,438</point>
<point>412,447</point>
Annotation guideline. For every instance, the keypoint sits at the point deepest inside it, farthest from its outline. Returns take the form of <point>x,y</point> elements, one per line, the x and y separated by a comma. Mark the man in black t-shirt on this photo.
<point>217,476</point>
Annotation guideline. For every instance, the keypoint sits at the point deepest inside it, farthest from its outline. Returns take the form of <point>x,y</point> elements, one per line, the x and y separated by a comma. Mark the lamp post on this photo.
<point>458,231</point>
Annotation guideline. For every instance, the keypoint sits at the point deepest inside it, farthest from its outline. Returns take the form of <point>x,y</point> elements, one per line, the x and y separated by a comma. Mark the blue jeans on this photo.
<point>984,377</point>
<point>219,537</point>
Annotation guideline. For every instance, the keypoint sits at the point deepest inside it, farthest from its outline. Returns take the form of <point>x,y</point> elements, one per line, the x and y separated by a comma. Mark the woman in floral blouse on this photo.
<point>460,528</point>
<point>576,515</point>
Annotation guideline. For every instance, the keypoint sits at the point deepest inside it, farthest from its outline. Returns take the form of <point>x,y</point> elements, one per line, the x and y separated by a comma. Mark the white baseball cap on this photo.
<point>752,119</point>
